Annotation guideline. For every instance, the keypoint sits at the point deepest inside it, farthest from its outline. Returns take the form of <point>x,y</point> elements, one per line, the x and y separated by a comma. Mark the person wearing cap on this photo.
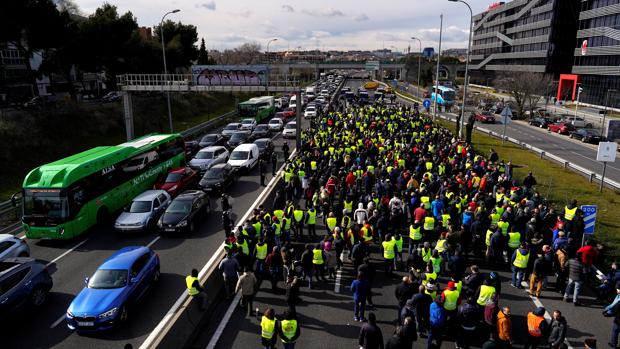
<point>536,327</point>
<point>451,299</point>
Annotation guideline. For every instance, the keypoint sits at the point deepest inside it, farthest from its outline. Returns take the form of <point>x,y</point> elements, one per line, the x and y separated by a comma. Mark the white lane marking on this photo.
<point>57,322</point>
<point>337,285</point>
<point>66,253</point>
<point>224,322</point>
<point>153,242</point>
<point>538,303</point>
<point>174,312</point>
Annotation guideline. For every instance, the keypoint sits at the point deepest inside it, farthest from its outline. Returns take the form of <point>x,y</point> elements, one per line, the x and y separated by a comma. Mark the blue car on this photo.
<point>23,282</point>
<point>120,281</point>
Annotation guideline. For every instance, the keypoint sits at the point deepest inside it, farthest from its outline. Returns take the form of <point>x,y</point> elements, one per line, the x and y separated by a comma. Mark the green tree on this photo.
<point>180,40</point>
<point>203,55</point>
<point>25,24</point>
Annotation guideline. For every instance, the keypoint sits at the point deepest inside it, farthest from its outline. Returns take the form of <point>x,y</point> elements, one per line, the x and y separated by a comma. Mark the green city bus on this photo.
<point>259,108</point>
<point>62,199</point>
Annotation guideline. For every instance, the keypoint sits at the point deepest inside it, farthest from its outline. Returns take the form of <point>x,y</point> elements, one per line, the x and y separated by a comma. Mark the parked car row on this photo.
<point>565,124</point>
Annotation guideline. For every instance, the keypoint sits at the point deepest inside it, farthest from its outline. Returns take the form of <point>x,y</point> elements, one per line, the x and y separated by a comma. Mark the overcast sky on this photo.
<point>342,24</point>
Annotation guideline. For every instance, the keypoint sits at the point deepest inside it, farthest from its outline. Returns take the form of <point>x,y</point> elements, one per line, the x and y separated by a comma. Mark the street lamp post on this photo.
<point>438,58</point>
<point>466,82</point>
<point>609,90</point>
<point>419,61</point>
<point>269,62</point>
<point>163,52</point>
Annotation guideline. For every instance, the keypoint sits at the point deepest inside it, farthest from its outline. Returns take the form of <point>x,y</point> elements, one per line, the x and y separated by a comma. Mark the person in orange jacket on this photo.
<point>504,328</point>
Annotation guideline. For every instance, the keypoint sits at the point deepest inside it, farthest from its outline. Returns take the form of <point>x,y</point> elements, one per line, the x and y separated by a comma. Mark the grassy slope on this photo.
<point>560,186</point>
<point>30,140</point>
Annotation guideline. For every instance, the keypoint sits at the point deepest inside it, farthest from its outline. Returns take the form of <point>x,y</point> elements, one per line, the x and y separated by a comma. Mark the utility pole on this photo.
<point>438,57</point>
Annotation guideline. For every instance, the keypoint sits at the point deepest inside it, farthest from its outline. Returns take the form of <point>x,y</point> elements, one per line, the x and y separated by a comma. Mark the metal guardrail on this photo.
<point>9,213</point>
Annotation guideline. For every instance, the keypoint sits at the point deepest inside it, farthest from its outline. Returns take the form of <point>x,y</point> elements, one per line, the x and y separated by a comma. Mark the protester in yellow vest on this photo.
<point>415,236</point>
<point>519,261</point>
<point>318,261</point>
<point>268,326</point>
<point>288,330</point>
<point>485,293</point>
<point>195,290</point>
<point>389,253</point>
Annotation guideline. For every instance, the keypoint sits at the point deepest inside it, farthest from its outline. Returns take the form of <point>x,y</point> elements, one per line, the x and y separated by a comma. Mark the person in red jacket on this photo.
<point>589,253</point>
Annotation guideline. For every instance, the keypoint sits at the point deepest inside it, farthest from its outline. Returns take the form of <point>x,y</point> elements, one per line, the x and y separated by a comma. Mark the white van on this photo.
<point>292,103</point>
<point>310,92</point>
<point>244,157</point>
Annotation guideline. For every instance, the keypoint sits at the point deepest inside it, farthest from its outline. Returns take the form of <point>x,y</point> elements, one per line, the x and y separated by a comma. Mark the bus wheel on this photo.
<point>103,216</point>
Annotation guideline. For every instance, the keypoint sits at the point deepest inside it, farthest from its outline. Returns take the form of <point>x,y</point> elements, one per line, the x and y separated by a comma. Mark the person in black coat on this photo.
<point>370,334</point>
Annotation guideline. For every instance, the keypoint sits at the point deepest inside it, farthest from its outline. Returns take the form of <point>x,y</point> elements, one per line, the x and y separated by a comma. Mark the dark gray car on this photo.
<point>23,282</point>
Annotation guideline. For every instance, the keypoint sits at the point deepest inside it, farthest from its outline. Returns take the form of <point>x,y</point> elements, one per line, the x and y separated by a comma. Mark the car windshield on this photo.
<point>209,138</point>
<point>291,126</point>
<point>231,127</point>
<point>591,132</point>
<point>261,144</point>
<point>49,203</point>
<point>214,173</point>
<point>173,177</point>
<point>140,207</point>
<point>108,278</point>
<point>274,122</point>
<point>261,128</point>
<point>247,121</point>
<point>237,137</point>
<point>204,155</point>
<point>239,155</point>
<point>180,206</point>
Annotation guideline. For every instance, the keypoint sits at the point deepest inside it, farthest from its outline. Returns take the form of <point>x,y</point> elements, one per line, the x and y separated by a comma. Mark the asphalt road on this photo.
<point>69,265</point>
<point>326,312</point>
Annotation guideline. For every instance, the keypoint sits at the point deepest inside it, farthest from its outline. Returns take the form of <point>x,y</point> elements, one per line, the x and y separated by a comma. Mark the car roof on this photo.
<point>189,195</point>
<point>220,165</point>
<point>5,237</point>
<point>245,147</point>
<point>123,258</point>
<point>263,125</point>
<point>211,135</point>
<point>248,119</point>
<point>148,195</point>
<point>276,120</point>
<point>263,140</point>
<point>211,148</point>
<point>291,123</point>
<point>234,123</point>
<point>242,132</point>
<point>8,265</point>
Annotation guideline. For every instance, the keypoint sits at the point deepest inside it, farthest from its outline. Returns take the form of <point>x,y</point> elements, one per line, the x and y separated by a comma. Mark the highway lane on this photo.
<point>178,256</point>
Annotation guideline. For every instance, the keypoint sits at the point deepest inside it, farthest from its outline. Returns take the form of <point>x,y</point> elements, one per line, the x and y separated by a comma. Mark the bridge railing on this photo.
<point>186,82</point>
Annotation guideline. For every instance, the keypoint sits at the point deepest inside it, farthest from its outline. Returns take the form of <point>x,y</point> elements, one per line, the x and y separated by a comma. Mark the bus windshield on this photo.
<point>448,95</point>
<point>247,109</point>
<point>47,203</point>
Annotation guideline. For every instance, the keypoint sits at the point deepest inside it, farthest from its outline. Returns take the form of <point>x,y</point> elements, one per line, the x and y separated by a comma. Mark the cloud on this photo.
<point>361,18</point>
<point>243,13</point>
<point>288,8</point>
<point>320,34</point>
<point>450,34</point>
<point>328,12</point>
<point>208,5</point>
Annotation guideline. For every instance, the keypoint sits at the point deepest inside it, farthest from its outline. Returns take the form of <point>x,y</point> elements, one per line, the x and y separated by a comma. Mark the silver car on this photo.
<point>10,246</point>
<point>209,156</point>
<point>230,129</point>
<point>143,212</point>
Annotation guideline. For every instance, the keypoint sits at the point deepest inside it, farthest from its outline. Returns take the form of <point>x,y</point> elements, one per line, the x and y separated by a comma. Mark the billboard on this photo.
<point>229,75</point>
<point>613,130</point>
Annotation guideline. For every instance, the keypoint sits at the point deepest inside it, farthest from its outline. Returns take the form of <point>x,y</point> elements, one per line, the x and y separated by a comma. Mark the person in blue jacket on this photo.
<point>359,287</point>
<point>437,322</point>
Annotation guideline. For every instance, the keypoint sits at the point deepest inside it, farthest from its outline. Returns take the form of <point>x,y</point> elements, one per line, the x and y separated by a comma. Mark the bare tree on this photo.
<point>525,88</point>
<point>248,53</point>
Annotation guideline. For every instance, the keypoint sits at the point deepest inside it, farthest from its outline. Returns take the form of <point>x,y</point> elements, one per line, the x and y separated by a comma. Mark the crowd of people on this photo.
<point>387,179</point>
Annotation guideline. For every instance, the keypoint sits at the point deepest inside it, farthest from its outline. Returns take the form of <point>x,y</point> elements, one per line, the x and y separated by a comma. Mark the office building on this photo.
<point>524,36</point>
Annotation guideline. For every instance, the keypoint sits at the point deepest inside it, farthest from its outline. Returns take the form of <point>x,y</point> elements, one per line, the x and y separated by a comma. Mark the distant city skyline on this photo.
<point>325,25</point>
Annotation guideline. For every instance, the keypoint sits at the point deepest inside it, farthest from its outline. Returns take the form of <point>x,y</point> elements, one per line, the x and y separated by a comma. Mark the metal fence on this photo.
<point>10,213</point>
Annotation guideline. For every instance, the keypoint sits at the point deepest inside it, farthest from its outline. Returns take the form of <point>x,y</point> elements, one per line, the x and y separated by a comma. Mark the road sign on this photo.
<point>589,212</point>
<point>607,151</point>
<point>426,104</point>
<point>506,115</point>
<point>371,65</point>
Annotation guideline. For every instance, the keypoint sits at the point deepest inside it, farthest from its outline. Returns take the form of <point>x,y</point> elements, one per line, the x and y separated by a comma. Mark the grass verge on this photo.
<point>559,186</point>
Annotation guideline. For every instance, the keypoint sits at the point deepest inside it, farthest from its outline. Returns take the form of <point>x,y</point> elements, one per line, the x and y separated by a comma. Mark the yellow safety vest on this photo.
<point>495,218</point>
<point>569,214</point>
<point>486,295</point>
<point>521,260</point>
<point>504,227</point>
<point>346,223</point>
<point>399,244</point>
<point>426,255</point>
<point>428,277</point>
<point>286,222</point>
<point>244,247</point>
<point>348,205</point>
<point>488,238</point>
<point>429,223</point>
<point>317,256</point>
<point>331,223</point>
<point>278,213</point>
<point>278,230</point>
<point>441,245</point>
<point>267,327</point>
<point>414,233</point>
<point>451,299</point>
<point>191,290</point>
<point>441,169</point>
<point>429,165</point>
<point>432,294</point>
<point>289,328</point>
<point>388,249</point>
<point>436,262</point>
<point>499,197</point>
<point>261,251</point>
<point>514,239</point>
<point>313,165</point>
<point>426,201</point>
<point>444,219</point>
<point>299,215</point>
<point>257,226</point>
<point>312,216</point>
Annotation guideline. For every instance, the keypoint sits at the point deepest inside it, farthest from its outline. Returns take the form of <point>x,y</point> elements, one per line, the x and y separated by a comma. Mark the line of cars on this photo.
<point>565,124</point>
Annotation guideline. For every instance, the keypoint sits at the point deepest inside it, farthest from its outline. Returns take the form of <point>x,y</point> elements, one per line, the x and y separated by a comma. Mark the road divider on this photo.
<point>180,323</point>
